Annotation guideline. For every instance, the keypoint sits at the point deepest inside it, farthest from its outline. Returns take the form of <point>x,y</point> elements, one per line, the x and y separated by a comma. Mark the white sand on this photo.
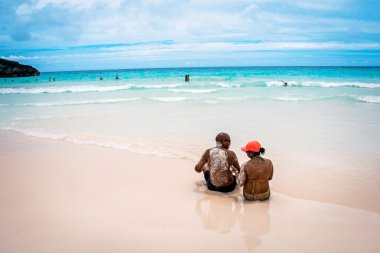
<point>61,197</point>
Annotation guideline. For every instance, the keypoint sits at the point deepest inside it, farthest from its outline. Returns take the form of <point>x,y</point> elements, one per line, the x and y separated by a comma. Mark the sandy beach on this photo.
<point>57,196</point>
<point>106,107</point>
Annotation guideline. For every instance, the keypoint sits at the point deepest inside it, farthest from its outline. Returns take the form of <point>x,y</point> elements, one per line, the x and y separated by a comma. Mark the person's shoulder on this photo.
<point>249,165</point>
<point>230,152</point>
<point>269,161</point>
<point>208,150</point>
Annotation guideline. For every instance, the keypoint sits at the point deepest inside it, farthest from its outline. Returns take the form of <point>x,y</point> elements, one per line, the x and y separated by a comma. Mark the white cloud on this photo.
<point>193,27</point>
<point>22,57</point>
<point>322,4</point>
<point>212,47</point>
<point>24,9</point>
<point>72,5</point>
<point>119,21</point>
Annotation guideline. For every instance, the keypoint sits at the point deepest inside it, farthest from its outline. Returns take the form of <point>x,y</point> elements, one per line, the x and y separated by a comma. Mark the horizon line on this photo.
<point>209,67</point>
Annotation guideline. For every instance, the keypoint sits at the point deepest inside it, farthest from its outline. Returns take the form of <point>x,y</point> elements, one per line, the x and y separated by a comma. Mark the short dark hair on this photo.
<point>219,136</point>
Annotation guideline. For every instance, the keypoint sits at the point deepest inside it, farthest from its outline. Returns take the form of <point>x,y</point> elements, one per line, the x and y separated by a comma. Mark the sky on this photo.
<point>62,35</point>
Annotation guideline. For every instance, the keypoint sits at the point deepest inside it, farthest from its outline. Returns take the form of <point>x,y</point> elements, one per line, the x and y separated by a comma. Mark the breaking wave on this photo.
<point>324,84</point>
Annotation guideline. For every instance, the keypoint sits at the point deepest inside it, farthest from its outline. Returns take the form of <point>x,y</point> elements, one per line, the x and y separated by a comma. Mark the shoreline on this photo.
<point>289,180</point>
<point>62,197</point>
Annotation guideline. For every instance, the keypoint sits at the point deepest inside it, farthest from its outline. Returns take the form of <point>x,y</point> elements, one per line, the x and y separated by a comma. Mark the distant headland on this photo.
<point>15,69</point>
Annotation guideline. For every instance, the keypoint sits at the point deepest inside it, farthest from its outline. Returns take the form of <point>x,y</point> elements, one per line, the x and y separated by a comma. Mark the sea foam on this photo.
<point>367,99</point>
<point>324,84</point>
<point>168,150</point>
<point>83,102</point>
<point>169,99</point>
<point>64,89</point>
<point>194,91</point>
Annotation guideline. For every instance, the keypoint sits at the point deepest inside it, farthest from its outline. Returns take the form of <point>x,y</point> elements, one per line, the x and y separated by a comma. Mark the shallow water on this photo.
<point>329,113</point>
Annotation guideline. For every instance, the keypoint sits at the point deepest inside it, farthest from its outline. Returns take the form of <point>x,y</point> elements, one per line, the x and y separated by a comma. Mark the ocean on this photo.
<point>326,117</point>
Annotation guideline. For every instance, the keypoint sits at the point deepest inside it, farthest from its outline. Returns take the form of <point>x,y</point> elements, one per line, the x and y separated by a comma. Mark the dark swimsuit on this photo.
<point>211,187</point>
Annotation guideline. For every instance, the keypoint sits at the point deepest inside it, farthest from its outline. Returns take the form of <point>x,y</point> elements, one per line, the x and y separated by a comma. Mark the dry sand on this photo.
<point>62,197</point>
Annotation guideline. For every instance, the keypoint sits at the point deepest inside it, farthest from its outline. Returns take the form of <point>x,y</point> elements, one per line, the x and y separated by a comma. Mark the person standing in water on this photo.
<point>255,174</point>
<point>216,164</point>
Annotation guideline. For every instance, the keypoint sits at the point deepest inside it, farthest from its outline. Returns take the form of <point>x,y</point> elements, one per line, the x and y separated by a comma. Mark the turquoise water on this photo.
<point>207,84</point>
<point>329,112</point>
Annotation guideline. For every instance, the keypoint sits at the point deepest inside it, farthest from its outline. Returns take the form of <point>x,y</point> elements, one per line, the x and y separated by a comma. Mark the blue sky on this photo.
<point>55,35</point>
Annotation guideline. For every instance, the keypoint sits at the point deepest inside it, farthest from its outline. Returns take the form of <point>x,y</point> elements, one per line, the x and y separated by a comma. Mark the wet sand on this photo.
<point>57,196</point>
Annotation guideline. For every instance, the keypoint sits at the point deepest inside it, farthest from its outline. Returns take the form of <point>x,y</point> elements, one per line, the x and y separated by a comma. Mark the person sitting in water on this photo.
<point>117,77</point>
<point>255,173</point>
<point>216,164</point>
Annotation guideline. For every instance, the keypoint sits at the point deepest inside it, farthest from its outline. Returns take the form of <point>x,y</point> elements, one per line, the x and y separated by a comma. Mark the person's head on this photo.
<point>223,140</point>
<point>253,148</point>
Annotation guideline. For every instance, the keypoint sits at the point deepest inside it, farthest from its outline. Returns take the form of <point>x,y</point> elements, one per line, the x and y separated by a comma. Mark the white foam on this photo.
<point>169,99</point>
<point>223,85</point>
<point>226,85</point>
<point>142,147</point>
<point>35,133</point>
<point>279,83</point>
<point>194,91</point>
<point>156,86</point>
<point>325,84</point>
<point>73,89</point>
<point>84,102</point>
<point>340,84</point>
<point>45,118</point>
<point>367,99</point>
<point>296,99</point>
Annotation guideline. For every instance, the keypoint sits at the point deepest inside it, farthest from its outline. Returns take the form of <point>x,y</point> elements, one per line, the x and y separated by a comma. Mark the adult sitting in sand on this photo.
<point>255,173</point>
<point>216,164</point>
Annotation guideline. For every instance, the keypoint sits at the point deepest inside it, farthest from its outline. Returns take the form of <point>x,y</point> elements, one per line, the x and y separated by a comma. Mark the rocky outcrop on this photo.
<point>15,69</point>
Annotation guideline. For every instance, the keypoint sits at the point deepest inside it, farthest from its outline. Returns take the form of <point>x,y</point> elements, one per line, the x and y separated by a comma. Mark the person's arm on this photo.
<point>202,162</point>
<point>242,176</point>
<point>233,160</point>
<point>236,163</point>
<point>271,173</point>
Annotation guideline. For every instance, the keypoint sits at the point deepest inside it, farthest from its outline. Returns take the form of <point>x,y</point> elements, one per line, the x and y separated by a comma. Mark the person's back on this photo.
<point>255,173</point>
<point>219,164</point>
<point>219,160</point>
<point>260,171</point>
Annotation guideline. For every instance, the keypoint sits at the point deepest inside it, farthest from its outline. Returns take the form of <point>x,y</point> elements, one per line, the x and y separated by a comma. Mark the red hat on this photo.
<point>253,146</point>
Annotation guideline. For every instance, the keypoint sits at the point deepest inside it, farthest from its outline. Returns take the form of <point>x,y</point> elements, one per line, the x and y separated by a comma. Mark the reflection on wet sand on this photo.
<point>220,212</point>
<point>254,222</point>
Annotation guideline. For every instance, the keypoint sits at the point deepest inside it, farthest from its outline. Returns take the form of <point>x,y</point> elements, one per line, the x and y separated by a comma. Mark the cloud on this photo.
<point>164,48</point>
<point>117,21</point>
<point>140,28</point>
<point>21,57</point>
<point>24,9</point>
